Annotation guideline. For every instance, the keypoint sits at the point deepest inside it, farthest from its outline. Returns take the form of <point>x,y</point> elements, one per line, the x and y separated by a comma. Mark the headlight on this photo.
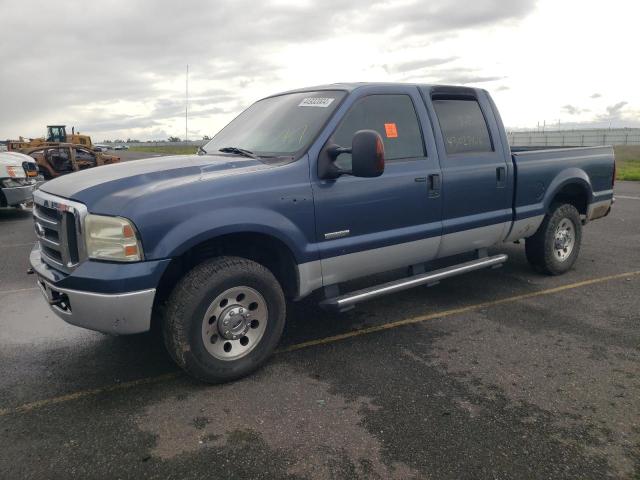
<point>111,238</point>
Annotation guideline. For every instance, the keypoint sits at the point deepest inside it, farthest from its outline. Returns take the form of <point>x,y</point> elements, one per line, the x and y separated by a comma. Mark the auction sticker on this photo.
<point>316,102</point>
<point>391,130</point>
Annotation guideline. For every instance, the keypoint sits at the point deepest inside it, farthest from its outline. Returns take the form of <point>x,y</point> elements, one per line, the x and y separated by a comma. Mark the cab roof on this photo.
<point>351,86</point>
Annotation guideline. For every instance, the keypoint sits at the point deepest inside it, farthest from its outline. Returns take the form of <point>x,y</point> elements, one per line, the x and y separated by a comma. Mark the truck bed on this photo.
<point>540,172</point>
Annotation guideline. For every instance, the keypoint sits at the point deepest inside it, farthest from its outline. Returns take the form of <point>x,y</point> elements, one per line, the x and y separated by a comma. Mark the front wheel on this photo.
<point>224,318</point>
<point>554,248</point>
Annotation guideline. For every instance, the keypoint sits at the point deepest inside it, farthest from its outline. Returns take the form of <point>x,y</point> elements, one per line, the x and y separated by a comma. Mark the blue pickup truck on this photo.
<point>301,193</point>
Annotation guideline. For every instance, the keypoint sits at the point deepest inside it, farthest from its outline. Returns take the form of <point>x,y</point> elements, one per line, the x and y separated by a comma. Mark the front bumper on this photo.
<point>115,313</point>
<point>17,195</point>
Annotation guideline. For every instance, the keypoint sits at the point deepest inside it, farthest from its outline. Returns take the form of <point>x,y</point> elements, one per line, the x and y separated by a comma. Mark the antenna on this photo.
<point>186,108</point>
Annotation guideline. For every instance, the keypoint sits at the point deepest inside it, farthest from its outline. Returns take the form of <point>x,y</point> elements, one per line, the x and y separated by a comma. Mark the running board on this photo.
<point>346,301</point>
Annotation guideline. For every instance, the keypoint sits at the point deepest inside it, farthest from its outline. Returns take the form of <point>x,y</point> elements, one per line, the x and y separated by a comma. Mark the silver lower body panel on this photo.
<point>118,314</point>
<point>524,228</point>
<point>599,209</point>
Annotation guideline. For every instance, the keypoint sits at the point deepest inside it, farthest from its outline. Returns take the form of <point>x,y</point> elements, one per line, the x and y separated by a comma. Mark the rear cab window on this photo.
<point>463,125</point>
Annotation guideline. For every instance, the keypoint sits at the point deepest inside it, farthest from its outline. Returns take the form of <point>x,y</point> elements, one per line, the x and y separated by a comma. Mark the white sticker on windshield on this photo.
<point>316,102</point>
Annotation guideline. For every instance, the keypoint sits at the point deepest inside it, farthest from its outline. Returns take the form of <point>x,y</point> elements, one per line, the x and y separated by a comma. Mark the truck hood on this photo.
<point>14,159</point>
<point>132,179</point>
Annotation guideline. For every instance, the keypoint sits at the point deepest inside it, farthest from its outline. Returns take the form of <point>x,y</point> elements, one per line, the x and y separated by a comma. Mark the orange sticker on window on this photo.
<point>391,130</point>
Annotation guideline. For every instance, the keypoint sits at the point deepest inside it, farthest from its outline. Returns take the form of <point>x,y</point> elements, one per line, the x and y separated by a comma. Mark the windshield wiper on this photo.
<point>239,151</point>
<point>201,151</point>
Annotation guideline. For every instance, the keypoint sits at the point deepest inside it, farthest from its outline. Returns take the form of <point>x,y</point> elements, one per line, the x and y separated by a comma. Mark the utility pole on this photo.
<point>186,108</point>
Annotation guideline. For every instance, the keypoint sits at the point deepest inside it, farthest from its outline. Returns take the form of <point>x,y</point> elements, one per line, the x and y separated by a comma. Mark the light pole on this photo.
<point>186,108</point>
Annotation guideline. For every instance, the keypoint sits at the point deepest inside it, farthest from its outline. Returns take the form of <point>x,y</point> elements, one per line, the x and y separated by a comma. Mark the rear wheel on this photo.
<point>224,318</point>
<point>554,248</point>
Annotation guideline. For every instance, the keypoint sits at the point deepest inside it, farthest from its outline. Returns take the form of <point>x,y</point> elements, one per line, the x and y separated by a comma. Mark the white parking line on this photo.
<point>627,197</point>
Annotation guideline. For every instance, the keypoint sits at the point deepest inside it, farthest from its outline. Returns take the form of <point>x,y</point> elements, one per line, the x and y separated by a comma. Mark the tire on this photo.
<point>555,246</point>
<point>231,291</point>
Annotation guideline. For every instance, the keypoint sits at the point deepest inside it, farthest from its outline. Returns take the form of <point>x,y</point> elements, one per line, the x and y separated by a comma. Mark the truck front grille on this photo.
<point>58,225</point>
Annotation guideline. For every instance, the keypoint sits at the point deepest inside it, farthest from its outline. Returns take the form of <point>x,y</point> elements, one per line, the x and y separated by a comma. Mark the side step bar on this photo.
<point>346,301</point>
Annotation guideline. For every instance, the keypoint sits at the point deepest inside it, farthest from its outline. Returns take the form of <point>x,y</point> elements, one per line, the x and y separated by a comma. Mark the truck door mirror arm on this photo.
<point>367,157</point>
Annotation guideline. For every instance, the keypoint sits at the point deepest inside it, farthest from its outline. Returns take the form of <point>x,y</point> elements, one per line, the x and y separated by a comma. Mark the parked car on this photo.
<point>301,193</point>
<point>63,158</point>
<point>121,147</point>
<point>18,179</point>
<point>101,148</point>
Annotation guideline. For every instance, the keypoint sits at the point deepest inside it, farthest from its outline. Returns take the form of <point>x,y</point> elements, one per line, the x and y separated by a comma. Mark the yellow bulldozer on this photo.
<point>55,134</point>
<point>59,153</point>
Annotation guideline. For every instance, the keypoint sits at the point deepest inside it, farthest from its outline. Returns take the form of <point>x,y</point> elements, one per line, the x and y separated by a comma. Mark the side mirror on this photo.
<point>367,154</point>
<point>367,157</point>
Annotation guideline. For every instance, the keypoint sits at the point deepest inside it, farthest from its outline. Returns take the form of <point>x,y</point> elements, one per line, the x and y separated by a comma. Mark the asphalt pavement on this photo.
<point>497,374</point>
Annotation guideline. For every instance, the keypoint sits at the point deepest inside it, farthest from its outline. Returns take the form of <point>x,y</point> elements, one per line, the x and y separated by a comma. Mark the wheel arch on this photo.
<point>572,186</point>
<point>260,247</point>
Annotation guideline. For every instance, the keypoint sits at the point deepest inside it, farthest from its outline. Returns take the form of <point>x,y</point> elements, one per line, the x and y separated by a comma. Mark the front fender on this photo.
<point>198,228</point>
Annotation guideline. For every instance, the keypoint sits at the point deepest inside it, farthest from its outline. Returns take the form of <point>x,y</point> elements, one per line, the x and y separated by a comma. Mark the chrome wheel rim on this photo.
<point>564,239</point>
<point>234,323</point>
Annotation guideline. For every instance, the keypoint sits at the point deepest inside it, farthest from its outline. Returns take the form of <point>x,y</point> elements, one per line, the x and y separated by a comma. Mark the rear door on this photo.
<point>476,177</point>
<point>369,225</point>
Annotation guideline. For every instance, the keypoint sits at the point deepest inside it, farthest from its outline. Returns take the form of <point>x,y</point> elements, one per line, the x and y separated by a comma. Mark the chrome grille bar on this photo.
<point>59,226</point>
<point>42,219</point>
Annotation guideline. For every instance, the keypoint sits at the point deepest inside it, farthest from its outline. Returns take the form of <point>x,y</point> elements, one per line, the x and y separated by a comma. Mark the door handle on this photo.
<point>501,177</point>
<point>434,185</point>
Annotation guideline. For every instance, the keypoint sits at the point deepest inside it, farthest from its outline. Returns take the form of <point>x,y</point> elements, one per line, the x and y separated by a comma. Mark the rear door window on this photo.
<point>463,126</point>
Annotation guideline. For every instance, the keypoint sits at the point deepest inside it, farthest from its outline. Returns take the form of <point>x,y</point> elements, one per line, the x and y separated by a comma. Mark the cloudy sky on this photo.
<point>116,68</point>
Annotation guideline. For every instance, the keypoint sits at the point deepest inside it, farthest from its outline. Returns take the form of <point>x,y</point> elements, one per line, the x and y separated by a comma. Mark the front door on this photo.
<point>369,225</point>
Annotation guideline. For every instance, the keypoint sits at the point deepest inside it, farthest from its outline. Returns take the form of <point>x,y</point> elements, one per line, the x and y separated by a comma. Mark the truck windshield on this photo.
<point>280,126</point>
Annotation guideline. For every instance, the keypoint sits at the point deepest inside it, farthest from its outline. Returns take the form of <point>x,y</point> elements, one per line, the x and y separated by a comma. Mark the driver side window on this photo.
<point>392,116</point>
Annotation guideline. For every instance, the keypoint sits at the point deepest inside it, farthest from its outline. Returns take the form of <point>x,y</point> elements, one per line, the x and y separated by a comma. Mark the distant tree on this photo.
<point>174,139</point>
<point>132,140</point>
<point>206,137</point>
<point>118,140</point>
<point>107,141</point>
